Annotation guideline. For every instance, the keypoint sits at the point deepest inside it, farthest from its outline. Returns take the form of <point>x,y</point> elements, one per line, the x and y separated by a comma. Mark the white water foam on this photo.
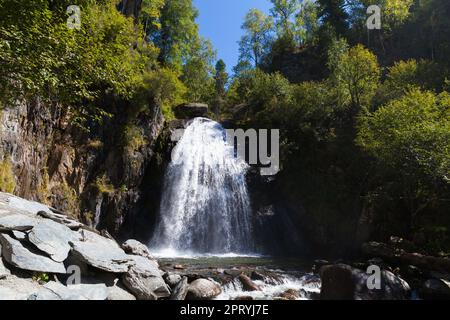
<point>269,291</point>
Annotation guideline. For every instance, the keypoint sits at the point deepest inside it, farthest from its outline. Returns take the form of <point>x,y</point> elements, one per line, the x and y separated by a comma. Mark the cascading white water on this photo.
<point>205,207</point>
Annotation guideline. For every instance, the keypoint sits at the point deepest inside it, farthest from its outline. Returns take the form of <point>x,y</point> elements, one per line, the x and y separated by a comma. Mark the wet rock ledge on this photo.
<point>45,255</point>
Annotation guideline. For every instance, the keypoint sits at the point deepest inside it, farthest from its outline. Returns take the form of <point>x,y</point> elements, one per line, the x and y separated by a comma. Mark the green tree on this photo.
<point>307,23</point>
<point>256,42</point>
<point>356,73</point>
<point>333,13</point>
<point>410,136</point>
<point>283,12</point>
<point>177,33</point>
<point>221,78</point>
<point>198,72</point>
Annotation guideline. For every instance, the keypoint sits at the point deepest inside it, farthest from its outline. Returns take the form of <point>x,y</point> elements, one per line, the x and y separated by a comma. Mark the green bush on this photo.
<point>104,185</point>
<point>7,179</point>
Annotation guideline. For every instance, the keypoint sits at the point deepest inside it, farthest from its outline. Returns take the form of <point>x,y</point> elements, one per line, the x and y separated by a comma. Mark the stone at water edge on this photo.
<point>17,255</point>
<point>172,279</point>
<point>290,294</point>
<point>257,276</point>
<point>180,290</point>
<point>179,267</point>
<point>342,282</point>
<point>101,252</point>
<point>52,238</point>
<point>144,279</point>
<point>137,248</point>
<point>203,289</point>
<point>436,289</point>
<point>248,284</point>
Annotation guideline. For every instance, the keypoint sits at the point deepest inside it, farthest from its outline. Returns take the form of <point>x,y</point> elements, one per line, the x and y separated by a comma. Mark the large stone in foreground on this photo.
<point>61,218</point>
<point>52,238</point>
<point>116,292</point>
<point>3,269</point>
<point>14,288</point>
<point>203,289</point>
<point>17,255</point>
<point>18,222</point>
<point>57,291</point>
<point>101,252</point>
<point>180,290</point>
<point>191,110</point>
<point>144,280</point>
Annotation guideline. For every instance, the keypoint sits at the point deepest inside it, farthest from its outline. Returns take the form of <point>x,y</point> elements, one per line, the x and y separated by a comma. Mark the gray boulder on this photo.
<point>61,219</point>
<point>342,282</point>
<point>3,269</point>
<point>203,289</point>
<point>191,110</point>
<point>52,238</point>
<point>14,288</point>
<point>101,252</point>
<point>137,248</point>
<point>180,290</point>
<point>172,279</point>
<point>17,255</point>
<point>21,205</point>
<point>72,292</point>
<point>17,222</point>
<point>116,292</point>
<point>144,280</point>
<point>248,284</point>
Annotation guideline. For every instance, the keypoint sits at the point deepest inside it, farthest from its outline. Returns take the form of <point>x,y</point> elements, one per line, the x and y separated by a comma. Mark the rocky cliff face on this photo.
<point>96,177</point>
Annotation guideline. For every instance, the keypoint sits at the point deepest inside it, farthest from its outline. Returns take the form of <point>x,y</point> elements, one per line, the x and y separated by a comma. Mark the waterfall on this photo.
<point>205,207</point>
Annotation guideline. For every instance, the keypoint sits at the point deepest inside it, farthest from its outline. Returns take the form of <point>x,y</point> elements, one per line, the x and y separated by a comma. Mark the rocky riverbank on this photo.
<point>49,256</point>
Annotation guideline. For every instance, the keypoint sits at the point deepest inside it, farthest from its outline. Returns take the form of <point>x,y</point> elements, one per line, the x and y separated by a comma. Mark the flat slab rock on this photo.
<point>101,252</point>
<point>14,252</point>
<point>60,218</point>
<point>20,204</point>
<point>19,222</point>
<point>14,288</point>
<point>53,238</point>
<point>57,291</point>
<point>117,293</point>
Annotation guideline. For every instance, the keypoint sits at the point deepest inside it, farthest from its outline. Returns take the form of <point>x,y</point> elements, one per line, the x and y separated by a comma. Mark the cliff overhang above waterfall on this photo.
<point>191,110</point>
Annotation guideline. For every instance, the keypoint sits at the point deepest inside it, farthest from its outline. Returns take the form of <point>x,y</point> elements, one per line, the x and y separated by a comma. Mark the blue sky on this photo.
<point>221,20</point>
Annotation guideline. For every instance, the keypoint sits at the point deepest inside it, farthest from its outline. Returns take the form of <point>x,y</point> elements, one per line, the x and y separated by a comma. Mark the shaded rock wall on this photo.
<point>95,177</point>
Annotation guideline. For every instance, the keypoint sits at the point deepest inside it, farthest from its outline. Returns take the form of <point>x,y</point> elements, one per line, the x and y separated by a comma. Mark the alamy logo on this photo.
<point>374,20</point>
<point>258,152</point>
<point>253,146</point>
<point>75,275</point>
<point>374,280</point>
<point>74,20</point>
